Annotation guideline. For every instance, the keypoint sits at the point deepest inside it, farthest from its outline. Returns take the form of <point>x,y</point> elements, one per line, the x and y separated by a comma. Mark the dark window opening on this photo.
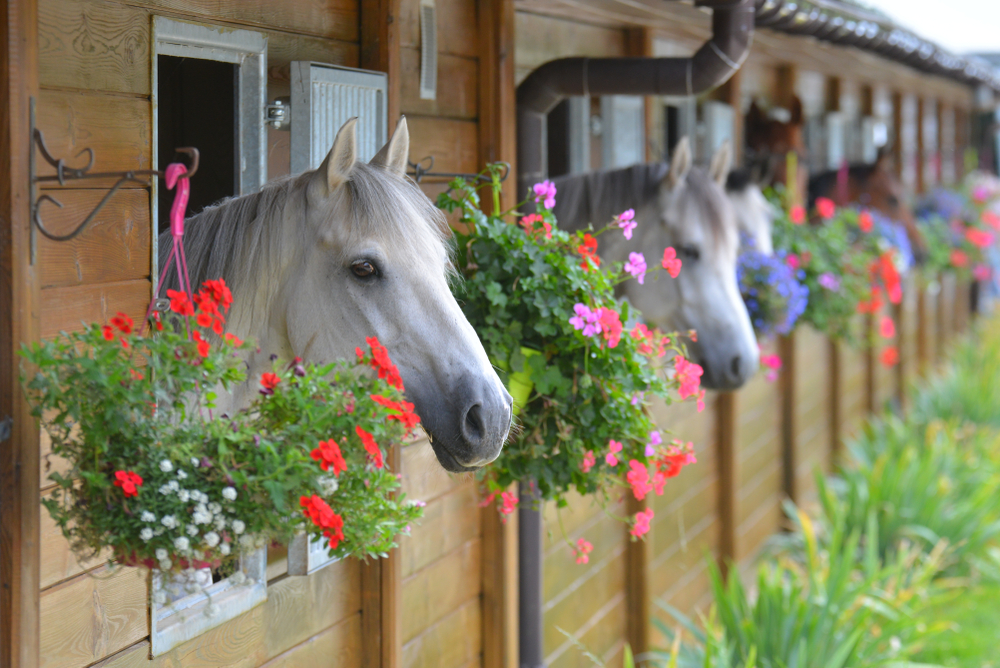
<point>672,129</point>
<point>196,106</point>
<point>559,139</point>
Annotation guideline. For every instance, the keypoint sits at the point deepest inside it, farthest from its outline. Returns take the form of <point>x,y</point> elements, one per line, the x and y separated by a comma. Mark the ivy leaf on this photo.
<point>277,492</point>
<point>495,293</point>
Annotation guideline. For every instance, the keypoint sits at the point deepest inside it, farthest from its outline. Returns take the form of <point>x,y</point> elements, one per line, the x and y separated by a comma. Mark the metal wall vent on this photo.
<point>323,98</point>
<point>428,50</point>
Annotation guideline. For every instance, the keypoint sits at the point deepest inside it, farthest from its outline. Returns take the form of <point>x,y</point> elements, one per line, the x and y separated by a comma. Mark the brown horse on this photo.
<point>871,185</point>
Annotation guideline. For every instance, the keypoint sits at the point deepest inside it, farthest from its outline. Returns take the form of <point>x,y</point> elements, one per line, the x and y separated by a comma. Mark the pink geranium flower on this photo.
<point>585,319</point>
<point>792,260</point>
<point>626,221</point>
<point>797,215</point>
<point>636,266</point>
<point>825,207</point>
<point>640,525</point>
<point>671,262</point>
<point>611,326</point>
<point>638,478</point>
<point>614,447</point>
<point>588,461</point>
<point>981,272</point>
<point>545,192</point>
<point>688,374</point>
<point>582,549</point>
<point>654,440</point>
<point>887,328</point>
<point>979,238</point>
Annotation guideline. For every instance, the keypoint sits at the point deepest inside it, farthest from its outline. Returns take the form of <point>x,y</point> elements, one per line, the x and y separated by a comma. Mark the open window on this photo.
<point>208,92</point>
<point>568,136</point>
<point>623,131</point>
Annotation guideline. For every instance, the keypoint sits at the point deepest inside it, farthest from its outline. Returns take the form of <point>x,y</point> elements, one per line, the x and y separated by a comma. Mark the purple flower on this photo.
<point>546,190</point>
<point>655,439</point>
<point>829,281</point>
<point>637,398</point>
<point>636,266</point>
<point>626,221</point>
<point>585,319</point>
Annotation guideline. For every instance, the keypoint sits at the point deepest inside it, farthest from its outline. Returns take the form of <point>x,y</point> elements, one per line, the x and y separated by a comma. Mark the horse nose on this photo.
<point>734,366</point>
<point>473,428</point>
<point>484,427</point>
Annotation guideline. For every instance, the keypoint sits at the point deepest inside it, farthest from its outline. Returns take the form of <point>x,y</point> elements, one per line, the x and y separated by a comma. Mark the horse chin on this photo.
<point>447,460</point>
<point>725,376</point>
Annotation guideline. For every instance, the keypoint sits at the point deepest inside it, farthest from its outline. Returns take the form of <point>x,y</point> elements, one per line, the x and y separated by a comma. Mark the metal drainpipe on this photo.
<point>538,94</point>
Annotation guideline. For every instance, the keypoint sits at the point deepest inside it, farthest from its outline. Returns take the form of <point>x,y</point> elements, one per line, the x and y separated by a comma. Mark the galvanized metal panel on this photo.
<point>324,97</point>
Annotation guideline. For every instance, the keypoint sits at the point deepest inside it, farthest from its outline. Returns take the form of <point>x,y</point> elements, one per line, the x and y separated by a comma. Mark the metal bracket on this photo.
<point>64,173</point>
<point>5,427</point>
<point>278,114</point>
<point>419,172</point>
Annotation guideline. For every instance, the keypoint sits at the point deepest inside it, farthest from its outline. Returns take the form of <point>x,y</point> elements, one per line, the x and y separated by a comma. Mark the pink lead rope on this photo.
<point>175,176</point>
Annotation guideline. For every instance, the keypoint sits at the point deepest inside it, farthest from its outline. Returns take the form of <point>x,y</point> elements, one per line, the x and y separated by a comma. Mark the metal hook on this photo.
<point>419,171</point>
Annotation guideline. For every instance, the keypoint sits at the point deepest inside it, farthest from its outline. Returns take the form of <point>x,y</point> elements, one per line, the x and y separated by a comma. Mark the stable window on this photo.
<point>208,92</point>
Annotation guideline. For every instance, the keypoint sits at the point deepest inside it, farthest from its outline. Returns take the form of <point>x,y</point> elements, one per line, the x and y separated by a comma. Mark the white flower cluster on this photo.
<point>201,531</point>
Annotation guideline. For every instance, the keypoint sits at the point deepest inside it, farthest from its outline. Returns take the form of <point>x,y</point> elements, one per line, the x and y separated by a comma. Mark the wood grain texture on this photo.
<point>380,27</point>
<point>456,26</point>
<point>452,642</point>
<point>727,463</point>
<point>541,39</point>
<point>91,616</point>
<point>118,129</point>
<point>638,596</point>
<point>438,590</point>
<point>787,397</point>
<point>500,589</point>
<point>458,86</point>
<point>271,630</point>
<point>94,45</point>
<point>448,522</point>
<point>70,308</point>
<point>19,324</point>
<point>339,645</point>
<point>497,92</point>
<point>333,19</point>
<point>114,247</point>
<point>58,563</point>
<point>453,143</point>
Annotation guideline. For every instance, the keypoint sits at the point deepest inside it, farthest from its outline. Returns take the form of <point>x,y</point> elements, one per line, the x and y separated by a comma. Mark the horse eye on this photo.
<point>689,253</point>
<point>364,269</point>
<point>892,200</point>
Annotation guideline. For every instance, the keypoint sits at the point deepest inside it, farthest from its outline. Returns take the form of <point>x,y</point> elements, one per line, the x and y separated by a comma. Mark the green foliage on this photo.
<point>520,290</point>
<point>924,485</point>
<point>967,389</point>
<point>832,611</point>
<point>209,485</point>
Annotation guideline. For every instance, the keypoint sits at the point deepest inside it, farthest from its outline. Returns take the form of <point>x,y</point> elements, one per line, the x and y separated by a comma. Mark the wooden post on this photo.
<point>870,369</point>
<point>922,326</point>
<point>381,599</point>
<point>639,44</point>
<point>380,48</point>
<point>728,463</point>
<point>638,594</point>
<point>499,619</point>
<point>897,132</point>
<point>730,93</point>
<point>497,93</point>
<point>786,388</point>
<point>20,502</point>
<point>942,320</point>
<point>921,145</point>
<point>836,389</point>
<point>498,143</point>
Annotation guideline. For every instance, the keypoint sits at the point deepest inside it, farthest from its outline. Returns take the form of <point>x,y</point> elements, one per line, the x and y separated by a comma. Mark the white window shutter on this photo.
<point>324,97</point>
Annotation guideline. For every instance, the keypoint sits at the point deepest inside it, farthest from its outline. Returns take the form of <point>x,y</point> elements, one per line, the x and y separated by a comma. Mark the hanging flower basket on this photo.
<point>158,474</point>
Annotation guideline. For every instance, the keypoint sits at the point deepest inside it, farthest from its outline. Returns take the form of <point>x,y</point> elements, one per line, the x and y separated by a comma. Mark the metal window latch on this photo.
<point>278,114</point>
<point>5,426</point>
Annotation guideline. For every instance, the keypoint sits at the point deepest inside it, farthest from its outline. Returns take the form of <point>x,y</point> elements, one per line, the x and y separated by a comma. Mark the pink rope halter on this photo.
<point>175,176</point>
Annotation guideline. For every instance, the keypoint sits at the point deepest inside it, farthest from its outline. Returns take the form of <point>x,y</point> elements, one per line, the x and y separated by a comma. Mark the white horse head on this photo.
<point>319,261</point>
<point>754,214</point>
<point>683,207</point>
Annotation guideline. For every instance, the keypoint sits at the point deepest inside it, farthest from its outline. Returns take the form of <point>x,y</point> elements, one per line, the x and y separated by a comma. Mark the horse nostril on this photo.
<point>734,366</point>
<point>473,428</point>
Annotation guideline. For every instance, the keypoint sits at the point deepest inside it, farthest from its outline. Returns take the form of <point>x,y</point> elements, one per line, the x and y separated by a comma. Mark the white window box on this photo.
<point>307,555</point>
<point>174,623</point>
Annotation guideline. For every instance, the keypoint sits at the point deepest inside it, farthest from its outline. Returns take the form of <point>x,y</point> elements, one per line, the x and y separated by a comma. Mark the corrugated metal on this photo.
<point>324,97</point>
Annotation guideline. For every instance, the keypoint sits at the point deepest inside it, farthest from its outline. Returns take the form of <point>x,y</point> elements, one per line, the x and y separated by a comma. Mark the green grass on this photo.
<point>974,639</point>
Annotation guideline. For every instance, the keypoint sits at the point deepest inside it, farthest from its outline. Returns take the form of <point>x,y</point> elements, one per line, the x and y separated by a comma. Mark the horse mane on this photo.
<point>596,197</point>
<point>240,238</point>
<point>825,183</point>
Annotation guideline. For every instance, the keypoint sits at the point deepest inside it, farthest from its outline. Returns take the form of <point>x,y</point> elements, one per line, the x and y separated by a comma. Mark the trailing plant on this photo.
<point>771,291</point>
<point>160,476</point>
<point>545,309</point>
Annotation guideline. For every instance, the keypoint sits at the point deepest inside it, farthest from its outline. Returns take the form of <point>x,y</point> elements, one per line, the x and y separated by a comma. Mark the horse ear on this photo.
<point>883,158</point>
<point>796,111</point>
<point>721,162</point>
<point>680,163</point>
<point>339,162</point>
<point>394,155</point>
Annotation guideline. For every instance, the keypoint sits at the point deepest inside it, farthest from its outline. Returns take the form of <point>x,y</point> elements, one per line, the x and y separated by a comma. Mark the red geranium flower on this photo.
<point>797,215</point>
<point>203,345</point>
<point>371,447</point>
<point>129,481</point>
<point>588,249</point>
<point>671,262</point>
<point>329,456</point>
<point>179,302</point>
<point>380,362</point>
<point>890,356</point>
<point>866,222</point>
<point>122,323</point>
<point>268,382</point>
<point>108,333</point>
<point>405,411</point>
<point>321,514</point>
<point>825,207</point>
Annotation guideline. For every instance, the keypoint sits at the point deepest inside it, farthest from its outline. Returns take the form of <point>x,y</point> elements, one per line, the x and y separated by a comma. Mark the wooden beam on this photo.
<point>726,415</point>
<point>897,132</point>
<point>499,561</point>
<point>371,614</point>
<point>380,47</point>
<point>921,145</point>
<point>922,327</point>
<point>20,498</point>
<point>731,93</point>
<point>381,600</point>
<point>870,362</point>
<point>786,389</point>
<point>787,76</point>
<point>497,93</point>
<point>639,44</point>
<point>836,389</point>
<point>638,588</point>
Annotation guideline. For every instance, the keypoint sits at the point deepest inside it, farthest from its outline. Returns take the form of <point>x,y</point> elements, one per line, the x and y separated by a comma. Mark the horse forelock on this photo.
<point>716,211</point>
